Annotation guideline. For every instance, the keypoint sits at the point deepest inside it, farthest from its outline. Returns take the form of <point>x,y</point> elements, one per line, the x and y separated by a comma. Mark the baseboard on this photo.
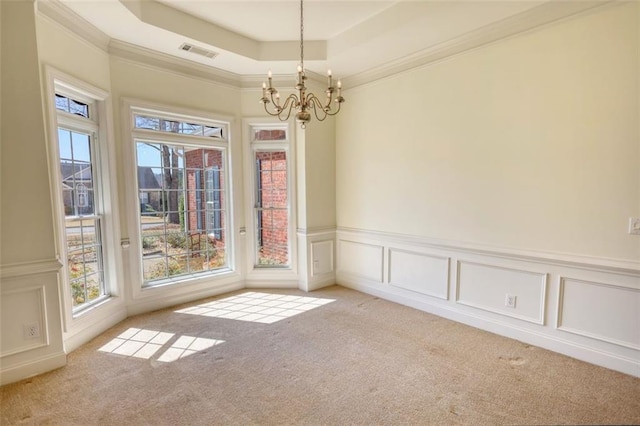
<point>32,368</point>
<point>321,282</point>
<point>78,338</point>
<point>266,283</point>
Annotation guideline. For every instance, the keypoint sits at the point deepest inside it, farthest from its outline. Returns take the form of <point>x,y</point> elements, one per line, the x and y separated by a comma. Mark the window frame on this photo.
<point>132,107</point>
<point>255,272</point>
<point>100,125</point>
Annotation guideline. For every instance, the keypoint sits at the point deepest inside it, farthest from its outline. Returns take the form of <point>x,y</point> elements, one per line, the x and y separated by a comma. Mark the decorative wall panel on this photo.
<point>487,286</point>
<point>601,311</point>
<point>361,259</point>
<point>419,272</point>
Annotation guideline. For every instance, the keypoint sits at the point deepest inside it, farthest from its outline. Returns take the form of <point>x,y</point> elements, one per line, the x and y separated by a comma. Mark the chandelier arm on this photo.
<point>276,101</point>
<point>313,100</point>
<point>315,104</point>
<point>288,105</point>
<point>336,111</point>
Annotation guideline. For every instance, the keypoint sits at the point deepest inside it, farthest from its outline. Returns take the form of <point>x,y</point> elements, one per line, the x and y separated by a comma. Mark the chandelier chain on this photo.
<point>301,35</point>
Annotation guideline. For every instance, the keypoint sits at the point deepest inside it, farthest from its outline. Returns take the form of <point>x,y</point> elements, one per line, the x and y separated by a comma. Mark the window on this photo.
<point>80,185</point>
<point>181,186</point>
<point>271,197</point>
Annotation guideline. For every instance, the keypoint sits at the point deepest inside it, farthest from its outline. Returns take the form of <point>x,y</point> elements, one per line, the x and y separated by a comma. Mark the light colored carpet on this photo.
<point>357,360</point>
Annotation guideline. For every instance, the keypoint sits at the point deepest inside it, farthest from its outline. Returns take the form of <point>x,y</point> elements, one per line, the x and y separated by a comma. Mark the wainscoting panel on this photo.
<point>14,302</point>
<point>316,257</point>
<point>584,307</point>
<point>321,257</point>
<point>487,286</point>
<point>29,298</point>
<point>605,312</point>
<point>419,272</point>
<point>361,260</point>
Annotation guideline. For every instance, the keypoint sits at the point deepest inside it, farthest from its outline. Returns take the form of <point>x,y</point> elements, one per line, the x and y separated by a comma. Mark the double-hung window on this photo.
<point>80,183</point>
<point>181,168</point>
<point>271,196</point>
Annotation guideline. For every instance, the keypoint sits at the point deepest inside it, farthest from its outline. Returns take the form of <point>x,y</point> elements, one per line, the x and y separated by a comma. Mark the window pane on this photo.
<point>272,212</point>
<point>76,172</point>
<point>72,106</point>
<point>269,135</point>
<point>84,260</point>
<point>182,216</point>
<point>213,132</point>
<point>176,126</point>
<point>80,147</point>
<point>143,122</point>
<point>62,103</point>
<point>64,145</point>
<point>191,129</point>
<point>78,108</point>
<point>149,155</point>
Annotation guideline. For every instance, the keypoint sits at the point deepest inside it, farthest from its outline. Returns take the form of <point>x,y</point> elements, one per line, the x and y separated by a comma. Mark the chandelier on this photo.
<point>303,102</point>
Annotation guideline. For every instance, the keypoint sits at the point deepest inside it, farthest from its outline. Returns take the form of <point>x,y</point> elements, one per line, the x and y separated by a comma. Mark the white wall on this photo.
<point>509,169</point>
<point>531,142</point>
<point>28,286</point>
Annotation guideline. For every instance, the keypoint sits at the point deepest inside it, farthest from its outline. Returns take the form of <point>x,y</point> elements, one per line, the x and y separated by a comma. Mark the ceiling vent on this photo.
<point>198,50</point>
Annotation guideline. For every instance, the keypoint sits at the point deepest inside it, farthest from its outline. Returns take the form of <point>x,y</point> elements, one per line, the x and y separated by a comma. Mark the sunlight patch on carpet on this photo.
<point>263,308</point>
<point>144,344</point>
<point>187,345</point>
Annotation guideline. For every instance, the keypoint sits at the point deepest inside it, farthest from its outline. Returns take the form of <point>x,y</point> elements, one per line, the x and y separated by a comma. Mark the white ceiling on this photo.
<point>350,37</point>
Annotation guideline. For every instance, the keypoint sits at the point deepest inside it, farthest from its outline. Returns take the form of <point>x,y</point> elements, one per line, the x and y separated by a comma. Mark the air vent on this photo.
<point>198,50</point>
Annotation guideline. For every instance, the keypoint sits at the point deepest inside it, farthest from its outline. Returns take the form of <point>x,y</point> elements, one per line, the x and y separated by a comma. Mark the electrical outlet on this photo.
<point>509,300</point>
<point>634,225</point>
<point>316,265</point>
<point>31,331</point>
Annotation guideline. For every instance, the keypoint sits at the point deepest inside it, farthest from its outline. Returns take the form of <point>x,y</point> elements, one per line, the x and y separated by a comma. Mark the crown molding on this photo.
<point>155,59</point>
<point>58,12</point>
<point>539,16</point>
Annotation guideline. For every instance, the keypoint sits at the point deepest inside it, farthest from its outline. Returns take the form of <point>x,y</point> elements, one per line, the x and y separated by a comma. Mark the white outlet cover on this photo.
<point>634,225</point>
<point>31,331</point>
<point>510,300</point>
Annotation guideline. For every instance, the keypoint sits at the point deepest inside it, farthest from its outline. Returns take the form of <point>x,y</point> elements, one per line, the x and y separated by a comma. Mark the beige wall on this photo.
<point>27,232</point>
<point>530,143</point>
<point>60,48</point>
<point>320,174</point>
<point>28,266</point>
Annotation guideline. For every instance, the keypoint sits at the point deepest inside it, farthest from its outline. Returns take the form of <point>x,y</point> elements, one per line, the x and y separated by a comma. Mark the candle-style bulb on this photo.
<point>269,74</point>
<point>264,85</point>
<point>339,84</point>
<point>299,69</point>
<point>329,73</point>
